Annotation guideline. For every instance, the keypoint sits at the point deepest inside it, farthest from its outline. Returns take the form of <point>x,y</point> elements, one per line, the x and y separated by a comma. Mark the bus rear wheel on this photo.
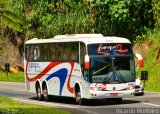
<point>45,93</point>
<point>39,93</point>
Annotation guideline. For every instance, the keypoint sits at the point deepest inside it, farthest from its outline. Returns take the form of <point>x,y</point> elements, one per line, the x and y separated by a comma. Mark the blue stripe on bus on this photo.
<point>62,75</point>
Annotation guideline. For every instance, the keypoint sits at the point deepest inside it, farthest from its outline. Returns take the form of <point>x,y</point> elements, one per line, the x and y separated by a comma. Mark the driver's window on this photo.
<point>82,56</point>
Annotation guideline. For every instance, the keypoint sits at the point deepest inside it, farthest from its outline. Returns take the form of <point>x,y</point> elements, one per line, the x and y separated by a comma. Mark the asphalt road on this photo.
<point>149,103</point>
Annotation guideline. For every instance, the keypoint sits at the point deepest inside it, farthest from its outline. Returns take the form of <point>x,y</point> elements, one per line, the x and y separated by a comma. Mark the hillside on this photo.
<point>9,54</point>
<point>150,50</point>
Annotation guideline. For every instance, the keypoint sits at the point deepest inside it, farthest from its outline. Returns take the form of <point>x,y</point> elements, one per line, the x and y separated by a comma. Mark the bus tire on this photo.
<point>45,93</point>
<point>39,93</point>
<point>78,98</point>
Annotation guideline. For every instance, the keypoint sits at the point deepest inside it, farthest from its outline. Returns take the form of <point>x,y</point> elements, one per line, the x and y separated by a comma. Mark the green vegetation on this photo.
<point>12,20</point>
<point>152,61</point>
<point>12,77</point>
<point>52,17</point>
<point>9,106</point>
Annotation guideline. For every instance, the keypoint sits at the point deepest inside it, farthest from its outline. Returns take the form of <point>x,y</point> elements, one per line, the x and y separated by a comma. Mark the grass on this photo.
<point>12,77</point>
<point>152,63</point>
<point>154,34</point>
<point>9,106</point>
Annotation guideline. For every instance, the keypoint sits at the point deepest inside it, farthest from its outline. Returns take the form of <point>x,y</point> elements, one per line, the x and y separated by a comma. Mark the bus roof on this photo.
<point>85,38</point>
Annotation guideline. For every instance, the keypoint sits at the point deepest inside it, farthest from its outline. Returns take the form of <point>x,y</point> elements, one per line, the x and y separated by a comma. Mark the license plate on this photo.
<point>113,94</point>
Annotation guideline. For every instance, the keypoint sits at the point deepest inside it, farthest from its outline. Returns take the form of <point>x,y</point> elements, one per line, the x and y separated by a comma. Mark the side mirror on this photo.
<point>140,60</point>
<point>87,62</point>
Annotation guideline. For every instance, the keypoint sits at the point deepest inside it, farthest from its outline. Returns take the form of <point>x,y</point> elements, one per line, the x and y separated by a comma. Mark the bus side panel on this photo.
<point>34,71</point>
<point>27,83</point>
<point>74,76</point>
<point>60,77</point>
<point>57,78</point>
<point>54,86</point>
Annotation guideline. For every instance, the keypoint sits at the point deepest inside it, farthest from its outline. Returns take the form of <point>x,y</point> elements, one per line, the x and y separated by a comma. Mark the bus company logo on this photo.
<point>114,88</point>
<point>130,84</point>
<point>104,49</point>
<point>33,66</point>
<point>111,48</point>
<point>101,86</point>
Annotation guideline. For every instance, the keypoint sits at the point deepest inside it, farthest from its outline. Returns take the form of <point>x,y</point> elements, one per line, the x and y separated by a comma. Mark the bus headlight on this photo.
<point>94,88</point>
<point>131,88</point>
<point>141,83</point>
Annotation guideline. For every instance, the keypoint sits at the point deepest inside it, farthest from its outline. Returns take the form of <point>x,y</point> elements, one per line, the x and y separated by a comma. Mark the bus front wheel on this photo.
<point>78,98</point>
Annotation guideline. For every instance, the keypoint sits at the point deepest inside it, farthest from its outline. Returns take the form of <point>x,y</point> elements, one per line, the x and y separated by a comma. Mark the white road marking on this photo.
<point>151,104</point>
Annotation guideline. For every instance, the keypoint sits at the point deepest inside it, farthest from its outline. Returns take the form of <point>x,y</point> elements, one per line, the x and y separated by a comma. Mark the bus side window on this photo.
<point>48,52</point>
<point>27,53</point>
<point>60,52</point>
<point>52,51</point>
<point>82,56</point>
<point>68,51</point>
<point>65,53</point>
<point>74,52</point>
<point>74,57</point>
<point>82,52</point>
<point>31,58</point>
<point>56,53</point>
<point>41,52</point>
<point>36,53</point>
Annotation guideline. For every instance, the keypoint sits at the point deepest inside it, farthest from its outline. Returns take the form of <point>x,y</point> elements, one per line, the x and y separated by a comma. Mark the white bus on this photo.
<point>82,66</point>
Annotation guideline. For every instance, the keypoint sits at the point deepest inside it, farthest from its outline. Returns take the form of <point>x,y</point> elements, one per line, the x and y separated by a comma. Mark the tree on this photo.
<point>12,20</point>
<point>15,29</point>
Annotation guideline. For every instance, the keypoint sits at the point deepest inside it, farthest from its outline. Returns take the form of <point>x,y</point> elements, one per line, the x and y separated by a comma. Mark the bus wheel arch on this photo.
<point>78,94</point>
<point>45,91</point>
<point>38,90</point>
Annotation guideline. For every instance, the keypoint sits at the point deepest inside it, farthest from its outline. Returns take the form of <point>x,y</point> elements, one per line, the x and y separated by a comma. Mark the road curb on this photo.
<point>71,109</point>
<point>151,92</point>
<point>12,82</point>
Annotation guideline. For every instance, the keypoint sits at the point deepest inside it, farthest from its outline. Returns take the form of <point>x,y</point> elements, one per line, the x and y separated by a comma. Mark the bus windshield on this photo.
<point>111,69</point>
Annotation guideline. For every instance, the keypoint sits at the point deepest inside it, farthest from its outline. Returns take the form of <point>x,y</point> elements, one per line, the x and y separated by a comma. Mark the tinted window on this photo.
<point>53,52</point>
<point>82,52</point>
<point>27,50</point>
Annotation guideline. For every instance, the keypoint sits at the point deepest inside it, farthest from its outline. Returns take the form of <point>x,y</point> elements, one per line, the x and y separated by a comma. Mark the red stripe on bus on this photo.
<point>47,69</point>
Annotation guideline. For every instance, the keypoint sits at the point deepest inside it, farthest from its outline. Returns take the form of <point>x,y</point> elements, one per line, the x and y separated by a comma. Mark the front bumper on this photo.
<point>111,94</point>
<point>139,89</point>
